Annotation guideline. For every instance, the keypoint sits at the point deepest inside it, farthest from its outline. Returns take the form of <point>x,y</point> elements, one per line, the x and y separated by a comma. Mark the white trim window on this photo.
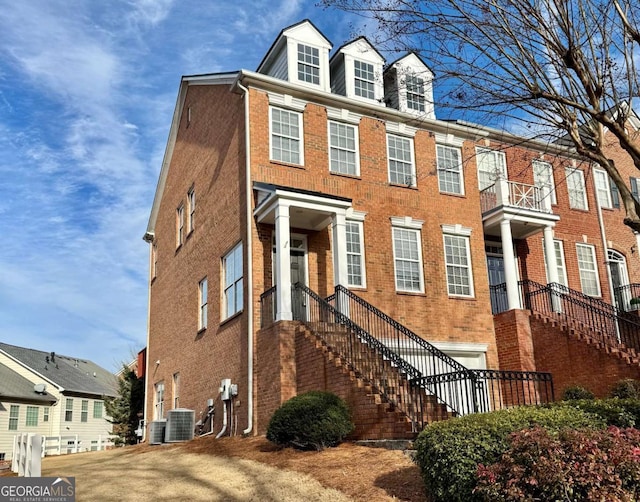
<point>543,178</point>
<point>159,400</point>
<point>589,278</point>
<point>68,410</point>
<point>202,304</point>
<point>191,203</point>
<point>179,225</point>
<point>286,136</point>
<point>98,408</point>
<point>84,410</point>
<point>401,166</point>
<point>32,416</point>
<point>45,414</point>
<point>355,254</point>
<point>232,281</point>
<point>558,247</point>
<point>176,390</point>
<point>603,190</point>
<point>364,79</point>
<point>154,260</point>
<point>450,176</point>
<point>343,149</point>
<point>14,415</point>
<point>308,64</point>
<point>457,258</point>
<point>415,93</point>
<point>491,165</point>
<point>576,189</point>
<point>407,259</point>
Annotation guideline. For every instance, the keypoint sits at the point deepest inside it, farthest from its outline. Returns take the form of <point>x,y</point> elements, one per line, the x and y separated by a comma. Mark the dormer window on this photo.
<point>364,79</point>
<point>308,64</point>
<point>415,93</point>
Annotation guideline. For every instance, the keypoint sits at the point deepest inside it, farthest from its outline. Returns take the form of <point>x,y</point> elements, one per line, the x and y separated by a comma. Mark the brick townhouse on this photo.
<point>316,227</point>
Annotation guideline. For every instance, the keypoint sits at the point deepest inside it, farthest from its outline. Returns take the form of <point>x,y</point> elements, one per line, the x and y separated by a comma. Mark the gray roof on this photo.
<point>15,386</point>
<point>70,373</point>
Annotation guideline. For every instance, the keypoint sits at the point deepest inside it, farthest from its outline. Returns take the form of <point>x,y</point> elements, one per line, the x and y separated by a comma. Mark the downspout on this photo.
<point>149,239</point>
<point>249,264</point>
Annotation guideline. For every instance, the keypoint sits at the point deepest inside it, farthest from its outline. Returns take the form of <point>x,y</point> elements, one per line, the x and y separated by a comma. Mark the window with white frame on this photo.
<point>176,390</point>
<point>154,260</point>
<point>308,64</point>
<point>32,416</point>
<point>588,268</point>
<point>576,189</point>
<point>415,93</point>
<point>159,400</point>
<point>343,149</point>
<point>407,258</point>
<point>179,225</point>
<point>449,164</point>
<point>202,304</point>
<point>355,254</point>
<point>286,136</point>
<point>68,410</point>
<point>364,79</point>
<point>14,414</point>
<point>97,409</point>
<point>84,411</point>
<point>603,190</point>
<point>543,178</point>
<point>400,155</point>
<point>491,165</point>
<point>45,414</point>
<point>457,258</point>
<point>191,203</point>
<point>558,248</point>
<point>232,281</point>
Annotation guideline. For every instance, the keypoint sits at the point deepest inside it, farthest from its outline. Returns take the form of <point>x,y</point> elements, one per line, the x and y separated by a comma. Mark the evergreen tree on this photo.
<point>126,408</point>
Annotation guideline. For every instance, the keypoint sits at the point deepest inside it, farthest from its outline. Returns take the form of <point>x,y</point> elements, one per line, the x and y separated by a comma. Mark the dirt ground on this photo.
<point>240,469</point>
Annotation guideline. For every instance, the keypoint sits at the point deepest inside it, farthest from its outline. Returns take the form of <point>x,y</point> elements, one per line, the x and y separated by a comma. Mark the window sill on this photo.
<point>411,293</point>
<point>201,331</point>
<point>397,185</point>
<point>231,318</point>
<point>178,249</point>
<point>579,209</point>
<point>346,175</point>
<point>286,164</point>
<point>190,234</point>
<point>453,194</point>
<point>462,297</point>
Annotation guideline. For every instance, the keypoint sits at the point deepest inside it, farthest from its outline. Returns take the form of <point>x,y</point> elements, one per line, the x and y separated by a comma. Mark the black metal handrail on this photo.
<point>268,307</point>
<point>628,297</point>
<point>498,295</point>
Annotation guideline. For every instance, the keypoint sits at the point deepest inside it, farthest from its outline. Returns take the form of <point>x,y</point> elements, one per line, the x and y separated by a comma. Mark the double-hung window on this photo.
<point>543,179</point>
<point>159,401</point>
<point>343,149</point>
<point>560,263</point>
<point>491,166</point>
<point>232,281</point>
<point>355,254</point>
<point>84,411</point>
<point>68,410</point>
<point>154,260</point>
<point>407,258</point>
<point>576,189</point>
<point>32,416</point>
<point>191,203</point>
<point>202,304</point>
<point>286,136</point>
<point>179,225</point>
<point>308,64</point>
<point>176,390</point>
<point>14,414</point>
<point>45,414</point>
<point>457,258</point>
<point>449,169</point>
<point>603,190</point>
<point>401,166</point>
<point>588,268</point>
<point>415,93</point>
<point>97,409</point>
<point>364,79</point>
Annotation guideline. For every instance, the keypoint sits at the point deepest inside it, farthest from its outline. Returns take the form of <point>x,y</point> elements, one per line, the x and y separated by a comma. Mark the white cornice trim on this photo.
<point>456,229</point>
<point>286,101</point>
<point>406,222</point>
<point>448,139</point>
<point>343,115</point>
<point>401,128</point>
<point>354,215</point>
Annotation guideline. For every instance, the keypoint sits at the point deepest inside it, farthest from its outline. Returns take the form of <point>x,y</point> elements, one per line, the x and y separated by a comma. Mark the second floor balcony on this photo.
<point>528,207</point>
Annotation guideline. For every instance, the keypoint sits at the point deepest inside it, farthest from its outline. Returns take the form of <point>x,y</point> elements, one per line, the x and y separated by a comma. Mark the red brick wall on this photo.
<point>513,339</point>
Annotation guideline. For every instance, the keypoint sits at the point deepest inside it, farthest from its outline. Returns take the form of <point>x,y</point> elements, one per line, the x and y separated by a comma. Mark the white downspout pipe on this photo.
<point>210,418</point>
<point>224,421</point>
<point>249,265</point>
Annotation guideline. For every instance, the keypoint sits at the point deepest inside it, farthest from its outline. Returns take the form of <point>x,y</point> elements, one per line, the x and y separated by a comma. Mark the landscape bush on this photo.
<point>614,411</point>
<point>584,465</point>
<point>448,453</point>
<point>626,389</point>
<point>313,420</point>
<point>576,392</point>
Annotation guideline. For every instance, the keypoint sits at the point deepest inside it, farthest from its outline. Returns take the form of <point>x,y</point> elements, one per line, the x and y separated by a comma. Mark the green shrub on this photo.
<point>448,453</point>
<point>618,412</point>
<point>574,465</point>
<point>312,420</point>
<point>576,392</point>
<point>626,389</point>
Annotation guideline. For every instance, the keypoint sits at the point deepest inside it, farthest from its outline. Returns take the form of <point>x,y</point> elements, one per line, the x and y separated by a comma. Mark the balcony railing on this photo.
<point>628,297</point>
<point>513,194</point>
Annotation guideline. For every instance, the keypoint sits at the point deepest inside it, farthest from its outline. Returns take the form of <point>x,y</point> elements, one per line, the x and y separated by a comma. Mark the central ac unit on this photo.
<point>156,431</point>
<point>180,425</point>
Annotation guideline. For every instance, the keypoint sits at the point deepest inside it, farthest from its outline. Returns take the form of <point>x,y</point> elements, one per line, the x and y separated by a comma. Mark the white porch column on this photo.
<point>340,271</point>
<point>283,263</point>
<point>552,264</point>
<point>510,273</point>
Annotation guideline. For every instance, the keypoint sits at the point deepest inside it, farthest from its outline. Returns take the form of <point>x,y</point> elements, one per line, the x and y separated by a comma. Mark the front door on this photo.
<point>298,264</point>
<point>497,283</point>
<point>619,279</point>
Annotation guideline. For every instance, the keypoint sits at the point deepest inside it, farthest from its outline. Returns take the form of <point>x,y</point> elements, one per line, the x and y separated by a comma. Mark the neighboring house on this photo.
<point>53,395</point>
<point>334,174</point>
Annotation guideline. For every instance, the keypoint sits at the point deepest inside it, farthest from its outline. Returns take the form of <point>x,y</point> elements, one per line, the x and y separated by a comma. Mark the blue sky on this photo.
<point>87,90</point>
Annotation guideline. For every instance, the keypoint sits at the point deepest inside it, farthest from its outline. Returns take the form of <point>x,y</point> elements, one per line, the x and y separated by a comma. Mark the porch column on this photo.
<point>283,263</point>
<point>340,271</point>
<point>510,274</point>
<point>552,264</point>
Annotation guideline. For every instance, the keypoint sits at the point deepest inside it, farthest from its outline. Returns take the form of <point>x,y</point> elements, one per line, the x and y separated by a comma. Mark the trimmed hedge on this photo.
<point>576,392</point>
<point>617,412</point>
<point>310,421</point>
<point>448,453</point>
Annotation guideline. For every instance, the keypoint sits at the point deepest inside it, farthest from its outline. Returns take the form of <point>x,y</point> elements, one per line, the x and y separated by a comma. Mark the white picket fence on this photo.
<point>29,449</point>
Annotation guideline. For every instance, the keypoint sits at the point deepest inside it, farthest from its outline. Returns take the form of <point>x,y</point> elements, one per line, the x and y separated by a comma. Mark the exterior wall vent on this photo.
<point>180,425</point>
